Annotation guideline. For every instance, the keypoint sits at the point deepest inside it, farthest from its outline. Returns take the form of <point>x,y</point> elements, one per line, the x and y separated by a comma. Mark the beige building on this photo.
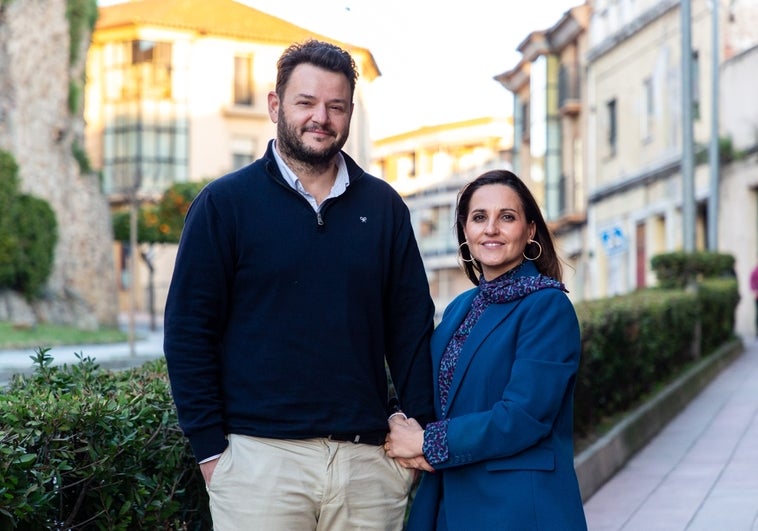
<point>738,190</point>
<point>428,166</point>
<point>635,139</point>
<point>603,150</point>
<point>550,104</point>
<point>177,91</point>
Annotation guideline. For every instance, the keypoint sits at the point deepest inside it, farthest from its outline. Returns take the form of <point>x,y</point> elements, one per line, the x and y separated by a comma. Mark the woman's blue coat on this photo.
<point>511,462</point>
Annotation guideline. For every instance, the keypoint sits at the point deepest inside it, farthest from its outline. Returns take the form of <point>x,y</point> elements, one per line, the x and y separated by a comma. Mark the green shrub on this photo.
<point>162,222</point>
<point>632,344</point>
<point>81,157</point>
<point>629,344</point>
<point>28,234</point>
<point>678,269</point>
<point>84,448</point>
<point>36,233</point>
<point>82,16</point>
<point>718,301</point>
<point>8,192</point>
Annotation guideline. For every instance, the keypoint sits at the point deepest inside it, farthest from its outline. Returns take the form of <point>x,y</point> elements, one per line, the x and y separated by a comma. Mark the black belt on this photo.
<point>375,438</point>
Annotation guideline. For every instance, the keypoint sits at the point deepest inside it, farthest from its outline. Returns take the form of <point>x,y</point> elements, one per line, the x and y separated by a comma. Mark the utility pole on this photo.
<point>688,159</point>
<point>133,208</point>
<point>713,151</point>
<point>133,229</point>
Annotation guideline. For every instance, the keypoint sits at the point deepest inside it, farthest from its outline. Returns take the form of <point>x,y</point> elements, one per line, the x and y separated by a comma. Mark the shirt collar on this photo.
<point>341,182</point>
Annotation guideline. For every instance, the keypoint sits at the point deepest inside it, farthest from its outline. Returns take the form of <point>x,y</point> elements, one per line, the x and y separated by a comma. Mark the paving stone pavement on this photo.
<point>148,345</point>
<point>700,473</point>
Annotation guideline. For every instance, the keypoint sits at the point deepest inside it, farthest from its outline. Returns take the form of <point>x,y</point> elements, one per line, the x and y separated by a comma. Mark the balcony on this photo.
<point>569,85</point>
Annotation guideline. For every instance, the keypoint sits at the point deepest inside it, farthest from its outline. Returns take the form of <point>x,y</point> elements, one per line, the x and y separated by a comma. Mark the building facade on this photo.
<point>637,192</point>
<point>177,91</point>
<point>612,155</point>
<point>429,166</point>
<point>549,106</point>
<point>738,185</point>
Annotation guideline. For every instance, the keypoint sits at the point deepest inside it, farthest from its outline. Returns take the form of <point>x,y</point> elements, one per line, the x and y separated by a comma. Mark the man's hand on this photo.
<point>207,468</point>
<point>416,463</point>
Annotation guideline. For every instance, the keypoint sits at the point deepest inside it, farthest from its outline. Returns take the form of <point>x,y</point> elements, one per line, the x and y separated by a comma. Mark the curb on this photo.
<point>598,463</point>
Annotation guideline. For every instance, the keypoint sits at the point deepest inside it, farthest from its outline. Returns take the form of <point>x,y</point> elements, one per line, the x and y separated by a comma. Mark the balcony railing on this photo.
<point>569,86</point>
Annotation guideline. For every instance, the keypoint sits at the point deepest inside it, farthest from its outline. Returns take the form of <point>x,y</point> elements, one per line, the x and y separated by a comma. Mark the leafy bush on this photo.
<point>633,343</point>
<point>163,222</point>
<point>8,191</point>
<point>629,344</point>
<point>718,301</point>
<point>36,235</point>
<point>84,448</point>
<point>28,234</point>
<point>678,269</point>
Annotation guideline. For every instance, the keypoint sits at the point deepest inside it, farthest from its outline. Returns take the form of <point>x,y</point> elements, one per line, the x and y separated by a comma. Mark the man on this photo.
<point>295,277</point>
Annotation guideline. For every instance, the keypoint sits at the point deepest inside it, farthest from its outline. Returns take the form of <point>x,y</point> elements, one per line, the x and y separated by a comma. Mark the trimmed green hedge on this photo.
<point>83,448</point>
<point>633,343</point>
<point>679,269</point>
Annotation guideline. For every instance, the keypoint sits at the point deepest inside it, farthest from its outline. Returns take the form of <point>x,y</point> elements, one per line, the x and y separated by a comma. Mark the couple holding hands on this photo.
<point>299,275</point>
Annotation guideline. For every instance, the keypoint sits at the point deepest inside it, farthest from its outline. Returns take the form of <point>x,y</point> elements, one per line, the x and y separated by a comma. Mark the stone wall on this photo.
<point>37,127</point>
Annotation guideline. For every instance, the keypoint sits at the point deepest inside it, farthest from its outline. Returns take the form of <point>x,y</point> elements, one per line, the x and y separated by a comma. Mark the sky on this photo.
<point>437,57</point>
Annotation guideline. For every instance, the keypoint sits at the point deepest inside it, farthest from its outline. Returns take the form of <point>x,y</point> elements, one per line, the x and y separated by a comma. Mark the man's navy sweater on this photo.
<point>278,320</point>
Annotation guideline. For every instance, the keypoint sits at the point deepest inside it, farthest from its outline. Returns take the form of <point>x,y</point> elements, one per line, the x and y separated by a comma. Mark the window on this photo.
<point>146,129</point>
<point>243,80</point>
<point>525,120</point>
<point>695,85</point>
<point>612,132</point>
<point>432,225</point>
<point>648,110</point>
<point>149,71</point>
<point>243,152</point>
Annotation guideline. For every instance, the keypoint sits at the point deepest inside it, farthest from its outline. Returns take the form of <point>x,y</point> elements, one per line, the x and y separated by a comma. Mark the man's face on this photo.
<point>313,116</point>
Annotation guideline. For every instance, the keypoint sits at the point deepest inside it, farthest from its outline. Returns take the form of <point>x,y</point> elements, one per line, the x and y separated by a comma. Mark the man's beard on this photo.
<point>291,146</point>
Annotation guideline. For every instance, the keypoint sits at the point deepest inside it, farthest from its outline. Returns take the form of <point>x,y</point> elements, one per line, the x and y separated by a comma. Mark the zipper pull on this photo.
<point>319,219</point>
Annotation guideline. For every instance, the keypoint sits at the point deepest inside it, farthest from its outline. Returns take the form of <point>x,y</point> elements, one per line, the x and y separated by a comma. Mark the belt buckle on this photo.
<point>332,437</point>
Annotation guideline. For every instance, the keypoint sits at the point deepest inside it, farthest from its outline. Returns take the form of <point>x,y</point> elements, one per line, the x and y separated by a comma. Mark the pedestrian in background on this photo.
<point>505,358</point>
<point>296,277</point>
<point>754,288</point>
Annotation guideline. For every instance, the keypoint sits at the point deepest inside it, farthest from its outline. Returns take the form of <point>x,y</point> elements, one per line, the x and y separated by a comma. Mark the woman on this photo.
<point>505,357</point>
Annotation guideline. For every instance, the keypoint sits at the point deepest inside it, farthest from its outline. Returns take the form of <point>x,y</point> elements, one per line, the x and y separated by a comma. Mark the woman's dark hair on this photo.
<point>547,263</point>
<point>321,54</point>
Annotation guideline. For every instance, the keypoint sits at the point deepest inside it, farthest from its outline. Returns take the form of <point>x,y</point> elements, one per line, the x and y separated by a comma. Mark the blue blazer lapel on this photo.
<point>442,334</point>
<point>491,318</point>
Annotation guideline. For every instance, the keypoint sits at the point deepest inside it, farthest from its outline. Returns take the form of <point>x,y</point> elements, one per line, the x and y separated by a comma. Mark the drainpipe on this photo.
<point>688,161</point>
<point>713,152</point>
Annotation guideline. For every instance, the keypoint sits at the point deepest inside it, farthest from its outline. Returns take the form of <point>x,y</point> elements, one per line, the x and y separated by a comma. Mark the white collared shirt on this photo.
<point>341,182</point>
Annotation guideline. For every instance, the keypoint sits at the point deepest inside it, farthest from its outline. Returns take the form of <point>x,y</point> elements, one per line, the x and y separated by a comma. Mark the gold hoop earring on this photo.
<point>538,254</point>
<point>460,254</point>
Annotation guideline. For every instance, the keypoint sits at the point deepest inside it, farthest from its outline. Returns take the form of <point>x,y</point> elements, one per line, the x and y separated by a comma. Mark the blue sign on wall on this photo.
<point>613,240</point>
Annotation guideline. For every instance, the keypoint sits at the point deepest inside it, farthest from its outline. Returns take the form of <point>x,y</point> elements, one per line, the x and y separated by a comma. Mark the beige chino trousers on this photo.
<point>307,485</point>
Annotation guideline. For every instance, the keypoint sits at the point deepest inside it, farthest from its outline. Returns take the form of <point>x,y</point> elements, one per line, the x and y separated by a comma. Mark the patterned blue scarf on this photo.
<point>505,288</point>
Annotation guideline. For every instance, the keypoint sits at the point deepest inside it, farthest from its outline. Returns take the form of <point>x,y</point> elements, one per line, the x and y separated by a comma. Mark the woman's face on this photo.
<point>496,229</point>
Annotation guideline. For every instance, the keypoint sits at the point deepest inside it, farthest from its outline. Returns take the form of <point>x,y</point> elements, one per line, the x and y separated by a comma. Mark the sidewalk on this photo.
<point>700,473</point>
<point>147,346</point>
